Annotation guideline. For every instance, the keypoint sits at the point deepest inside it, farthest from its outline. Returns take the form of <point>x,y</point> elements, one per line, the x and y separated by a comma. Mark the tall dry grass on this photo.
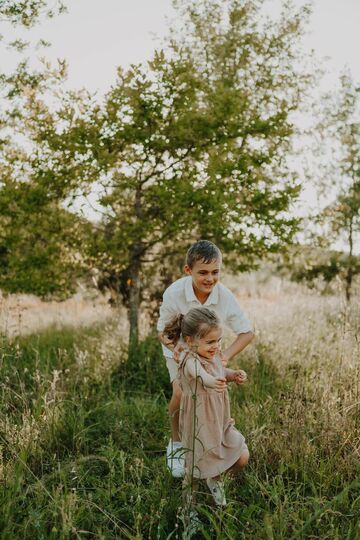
<point>23,314</point>
<point>83,428</point>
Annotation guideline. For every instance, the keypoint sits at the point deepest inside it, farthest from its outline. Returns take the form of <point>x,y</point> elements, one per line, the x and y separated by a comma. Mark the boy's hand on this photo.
<point>179,347</point>
<point>239,377</point>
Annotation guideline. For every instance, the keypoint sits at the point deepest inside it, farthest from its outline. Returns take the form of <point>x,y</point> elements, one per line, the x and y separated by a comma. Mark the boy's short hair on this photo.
<point>203,250</point>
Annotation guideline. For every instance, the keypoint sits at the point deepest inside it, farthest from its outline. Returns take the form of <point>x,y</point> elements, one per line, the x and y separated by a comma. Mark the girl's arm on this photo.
<point>229,374</point>
<point>194,369</point>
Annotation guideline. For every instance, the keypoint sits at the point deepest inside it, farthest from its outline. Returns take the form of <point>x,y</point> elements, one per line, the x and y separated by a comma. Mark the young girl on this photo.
<point>212,444</point>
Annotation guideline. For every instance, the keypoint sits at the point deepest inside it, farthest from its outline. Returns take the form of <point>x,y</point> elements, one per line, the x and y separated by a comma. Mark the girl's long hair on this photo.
<point>195,324</point>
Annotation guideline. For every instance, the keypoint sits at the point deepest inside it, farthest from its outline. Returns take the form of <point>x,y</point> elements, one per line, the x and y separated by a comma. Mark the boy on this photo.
<point>200,287</point>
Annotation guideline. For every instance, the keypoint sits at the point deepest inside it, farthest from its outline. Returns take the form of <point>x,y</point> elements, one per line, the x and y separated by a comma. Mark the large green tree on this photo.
<point>192,144</point>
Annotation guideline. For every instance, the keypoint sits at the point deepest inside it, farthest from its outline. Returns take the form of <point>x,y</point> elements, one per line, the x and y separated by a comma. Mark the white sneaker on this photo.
<point>191,523</point>
<point>175,459</point>
<point>194,524</point>
<point>217,491</point>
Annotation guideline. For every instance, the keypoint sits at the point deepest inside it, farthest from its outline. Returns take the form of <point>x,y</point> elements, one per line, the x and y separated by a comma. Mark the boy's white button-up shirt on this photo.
<point>180,298</point>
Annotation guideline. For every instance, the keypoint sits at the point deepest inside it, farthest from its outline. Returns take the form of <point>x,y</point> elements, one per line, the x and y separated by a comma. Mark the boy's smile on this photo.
<point>204,277</point>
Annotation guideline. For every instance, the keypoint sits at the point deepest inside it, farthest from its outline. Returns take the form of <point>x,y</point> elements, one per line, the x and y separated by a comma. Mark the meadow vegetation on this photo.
<point>83,429</point>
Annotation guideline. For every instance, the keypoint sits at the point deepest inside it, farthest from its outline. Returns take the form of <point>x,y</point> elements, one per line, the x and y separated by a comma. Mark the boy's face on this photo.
<point>208,345</point>
<point>204,275</point>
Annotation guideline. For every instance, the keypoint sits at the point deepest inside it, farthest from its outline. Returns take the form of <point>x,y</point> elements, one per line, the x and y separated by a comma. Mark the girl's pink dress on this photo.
<point>211,442</point>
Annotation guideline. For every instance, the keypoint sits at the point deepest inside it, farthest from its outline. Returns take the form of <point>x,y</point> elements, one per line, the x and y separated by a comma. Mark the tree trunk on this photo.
<point>136,253</point>
<point>349,273</point>
<point>348,279</point>
<point>134,276</point>
<point>134,300</point>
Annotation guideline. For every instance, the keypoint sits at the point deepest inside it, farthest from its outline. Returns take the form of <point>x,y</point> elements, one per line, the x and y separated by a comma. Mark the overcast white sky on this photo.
<point>95,36</point>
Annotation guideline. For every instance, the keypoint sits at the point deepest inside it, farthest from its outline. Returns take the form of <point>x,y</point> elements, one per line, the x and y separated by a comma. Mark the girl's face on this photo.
<point>208,345</point>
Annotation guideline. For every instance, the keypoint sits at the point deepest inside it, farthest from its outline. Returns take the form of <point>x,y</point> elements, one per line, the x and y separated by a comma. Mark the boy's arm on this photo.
<point>195,369</point>
<point>237,346</point>
<point>238,322</point>
<point>167,312</point>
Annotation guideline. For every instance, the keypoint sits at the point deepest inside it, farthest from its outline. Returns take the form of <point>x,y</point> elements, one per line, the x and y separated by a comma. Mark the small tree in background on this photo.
<point>344,219</point>
<point>341,217</point>
<point>318,267</point>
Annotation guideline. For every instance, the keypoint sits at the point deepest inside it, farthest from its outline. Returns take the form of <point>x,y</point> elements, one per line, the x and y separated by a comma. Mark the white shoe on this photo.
<point>175,459</point>
<point>191,523</point>
<point>217,491</point>
<point>194,523</point>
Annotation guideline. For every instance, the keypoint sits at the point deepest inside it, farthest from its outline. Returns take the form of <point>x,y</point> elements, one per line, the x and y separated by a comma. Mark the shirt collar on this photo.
<point>214,296</point>
<point>190,295</point>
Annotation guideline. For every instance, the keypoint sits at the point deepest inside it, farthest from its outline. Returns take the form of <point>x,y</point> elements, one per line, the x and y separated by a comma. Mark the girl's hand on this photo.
<point>219,384</point>
<point>240,376</point>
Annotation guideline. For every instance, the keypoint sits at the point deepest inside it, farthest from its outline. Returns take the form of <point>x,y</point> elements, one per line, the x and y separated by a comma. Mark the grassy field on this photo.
<point>83,430</point>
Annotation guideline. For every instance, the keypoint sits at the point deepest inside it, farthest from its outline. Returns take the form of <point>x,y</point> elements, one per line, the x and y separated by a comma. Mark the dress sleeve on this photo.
<point>228,373</point>
<point>193,369</point>
<point>236,318</point>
